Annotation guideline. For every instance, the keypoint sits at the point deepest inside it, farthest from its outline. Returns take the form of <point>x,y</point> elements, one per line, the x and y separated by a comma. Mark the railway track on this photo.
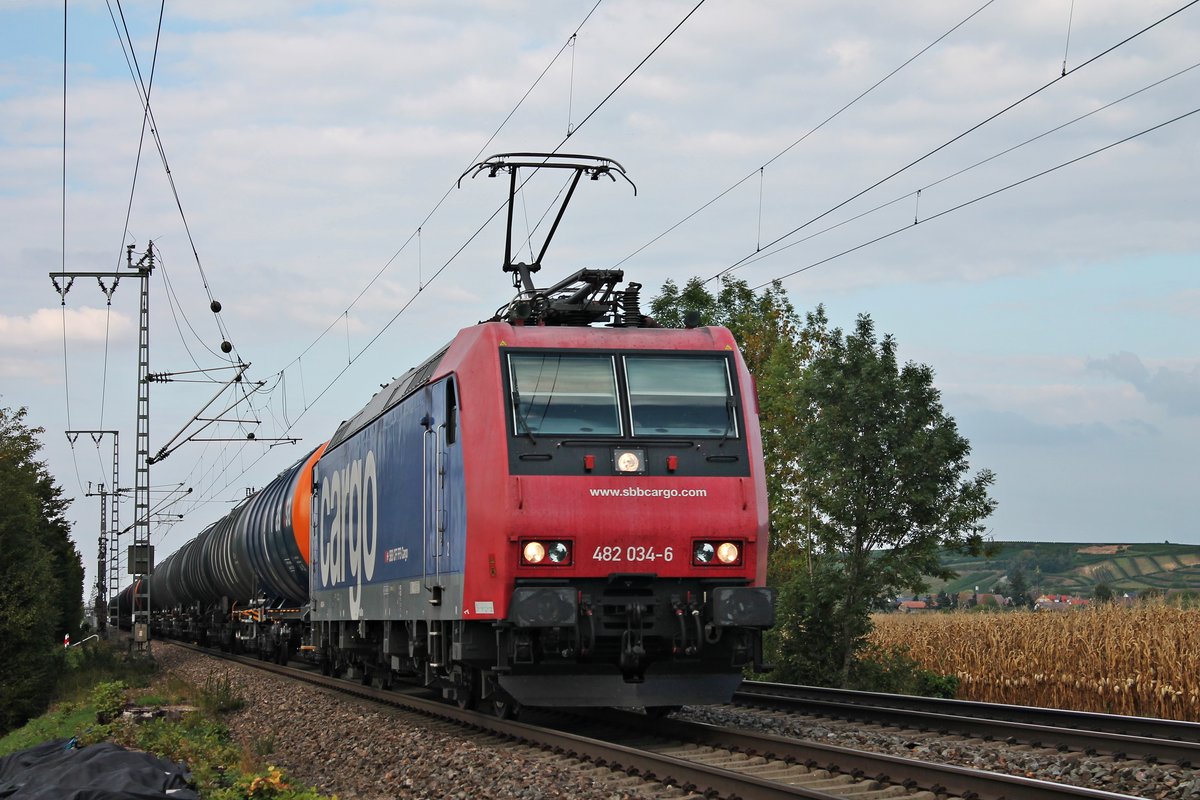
<point>711,761</point>
<point>1148,739</point>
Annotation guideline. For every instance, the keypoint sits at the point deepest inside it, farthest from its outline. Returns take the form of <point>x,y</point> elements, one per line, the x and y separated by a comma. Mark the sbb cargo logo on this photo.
<point>348,531</point>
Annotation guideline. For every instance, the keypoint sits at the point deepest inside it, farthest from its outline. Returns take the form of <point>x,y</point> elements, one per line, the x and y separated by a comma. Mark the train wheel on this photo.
<point>466,684</point>
<point>505,708</point>
<point>381,678</point>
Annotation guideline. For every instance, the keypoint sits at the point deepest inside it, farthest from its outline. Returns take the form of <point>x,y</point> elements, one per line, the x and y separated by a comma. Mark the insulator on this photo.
<point>631,307</point>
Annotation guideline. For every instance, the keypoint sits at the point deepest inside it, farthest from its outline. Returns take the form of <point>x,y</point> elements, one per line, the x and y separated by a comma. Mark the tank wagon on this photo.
<point>547,511</point>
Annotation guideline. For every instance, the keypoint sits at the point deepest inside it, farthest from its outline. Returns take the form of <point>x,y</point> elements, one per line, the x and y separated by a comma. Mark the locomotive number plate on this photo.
<point>633,553</point>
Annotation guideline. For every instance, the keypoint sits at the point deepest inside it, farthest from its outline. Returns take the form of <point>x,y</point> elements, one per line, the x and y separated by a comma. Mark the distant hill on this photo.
<point>1072,568</point>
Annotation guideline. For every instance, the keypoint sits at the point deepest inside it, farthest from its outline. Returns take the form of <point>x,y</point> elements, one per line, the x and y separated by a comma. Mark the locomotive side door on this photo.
<point>439,423</point>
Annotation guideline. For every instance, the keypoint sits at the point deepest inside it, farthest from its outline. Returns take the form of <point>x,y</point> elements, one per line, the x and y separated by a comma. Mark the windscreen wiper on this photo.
<point>522,425</point>
<point>729,420</point>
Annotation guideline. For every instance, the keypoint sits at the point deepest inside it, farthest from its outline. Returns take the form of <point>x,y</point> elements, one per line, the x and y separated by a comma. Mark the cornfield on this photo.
<point>1142,660</point>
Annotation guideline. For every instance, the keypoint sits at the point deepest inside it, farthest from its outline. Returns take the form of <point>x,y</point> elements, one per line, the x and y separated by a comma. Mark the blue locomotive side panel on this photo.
<point>388,514</point>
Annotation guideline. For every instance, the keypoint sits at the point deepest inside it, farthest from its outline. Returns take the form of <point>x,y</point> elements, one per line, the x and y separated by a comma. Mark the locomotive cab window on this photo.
<point>680,396</point>
<point>560,394</point>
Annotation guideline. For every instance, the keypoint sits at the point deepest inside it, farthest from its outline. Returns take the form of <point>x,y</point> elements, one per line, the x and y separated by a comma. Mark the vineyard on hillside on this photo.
<point>1076,569</point>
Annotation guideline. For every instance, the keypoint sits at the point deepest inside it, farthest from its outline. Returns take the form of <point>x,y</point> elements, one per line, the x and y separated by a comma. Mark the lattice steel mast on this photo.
<point>140,558</point>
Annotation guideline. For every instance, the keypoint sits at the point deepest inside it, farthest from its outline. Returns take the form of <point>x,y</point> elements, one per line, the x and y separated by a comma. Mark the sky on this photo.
<point>1029,234</point>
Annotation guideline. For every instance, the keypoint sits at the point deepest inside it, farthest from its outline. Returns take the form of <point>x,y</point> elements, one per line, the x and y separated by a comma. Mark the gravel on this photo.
<point>359,751</point>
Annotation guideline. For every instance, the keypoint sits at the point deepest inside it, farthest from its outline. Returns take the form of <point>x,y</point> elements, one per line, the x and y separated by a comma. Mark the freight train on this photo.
<point>564,506</point>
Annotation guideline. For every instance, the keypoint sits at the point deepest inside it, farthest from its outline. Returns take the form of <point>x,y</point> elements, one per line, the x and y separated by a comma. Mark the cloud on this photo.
<point>1177,390</point>
<point>48,326</point>
<point>1011,428</point>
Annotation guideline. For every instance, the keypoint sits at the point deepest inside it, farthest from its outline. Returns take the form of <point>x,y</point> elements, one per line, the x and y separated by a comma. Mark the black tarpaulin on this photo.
<point>59,771</point>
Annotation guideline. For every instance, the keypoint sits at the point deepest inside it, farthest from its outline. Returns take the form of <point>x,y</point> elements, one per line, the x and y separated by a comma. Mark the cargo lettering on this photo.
<point>348,534</point>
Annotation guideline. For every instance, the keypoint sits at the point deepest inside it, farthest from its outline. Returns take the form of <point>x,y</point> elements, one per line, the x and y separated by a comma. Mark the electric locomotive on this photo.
<point>566,505</point>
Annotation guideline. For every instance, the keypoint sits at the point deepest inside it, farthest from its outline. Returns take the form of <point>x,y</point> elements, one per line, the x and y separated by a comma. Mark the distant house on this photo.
<point>908,606</point>
<point>1059,602</point>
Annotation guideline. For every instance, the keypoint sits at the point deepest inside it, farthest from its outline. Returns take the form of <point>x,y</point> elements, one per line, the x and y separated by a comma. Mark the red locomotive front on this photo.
<point>616,511</point>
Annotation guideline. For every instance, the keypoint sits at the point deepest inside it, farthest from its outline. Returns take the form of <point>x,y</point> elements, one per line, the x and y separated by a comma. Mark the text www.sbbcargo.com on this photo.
<point>637,491</point>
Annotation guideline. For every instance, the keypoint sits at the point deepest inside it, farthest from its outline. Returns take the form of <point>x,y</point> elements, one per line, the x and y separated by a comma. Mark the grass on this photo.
<point>61,722</point>
<point>100,682</point>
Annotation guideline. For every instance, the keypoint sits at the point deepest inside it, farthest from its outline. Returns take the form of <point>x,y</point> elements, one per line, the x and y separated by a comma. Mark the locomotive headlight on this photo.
<point>717,553</point>
<point>534,553</point>
<point>632,460</point>
<point>546,553</point>
<point>558,553</point>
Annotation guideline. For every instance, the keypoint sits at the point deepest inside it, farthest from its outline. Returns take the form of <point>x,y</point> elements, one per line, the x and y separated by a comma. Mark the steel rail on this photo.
<point>1153,740</point>
<point>942,779</point>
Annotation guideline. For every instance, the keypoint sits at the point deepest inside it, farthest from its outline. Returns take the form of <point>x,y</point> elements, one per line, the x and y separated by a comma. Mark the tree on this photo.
<point>41,574</point>
<point>884,472</point>
<point>775,344</point>
<point>1018,588</point>
<point>1102,593</point>
<point>865,471</point>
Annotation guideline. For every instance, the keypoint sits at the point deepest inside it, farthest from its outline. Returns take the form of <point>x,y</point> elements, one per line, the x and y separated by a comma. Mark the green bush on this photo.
<point>99,661</point>
<point>62,722</point>
<point>108,698</point>
<point>895,672</point>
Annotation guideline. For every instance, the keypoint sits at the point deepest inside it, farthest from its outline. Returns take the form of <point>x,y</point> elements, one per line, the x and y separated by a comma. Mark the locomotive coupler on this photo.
<point>684,614</point>
<point>633,649</point>
<point>585,629</point>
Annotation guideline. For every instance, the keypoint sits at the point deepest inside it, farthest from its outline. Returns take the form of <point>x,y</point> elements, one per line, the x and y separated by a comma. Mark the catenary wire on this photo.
<point>810,132</point>
<point>981,197</point>
<point>144,96</point>
<point>765,254</point>
<point>437,206</point>
<point>964,133</point>
<point>462,247</point>
<point>66,362</point>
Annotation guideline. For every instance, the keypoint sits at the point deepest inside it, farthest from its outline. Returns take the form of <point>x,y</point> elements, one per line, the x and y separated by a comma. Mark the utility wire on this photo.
<point>632,72</point>
<point>437,206</point>
<point>465,244</point>
<point>66,370</point>
<point>822,124</point>
<point>177,311</point>
<point>973,128</point>
<point>1067,46</point>
<point>144,88</point>
<point>992,193</point>
<point>144,96</point>
<point>499,208</point>
<point>760,256</point>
